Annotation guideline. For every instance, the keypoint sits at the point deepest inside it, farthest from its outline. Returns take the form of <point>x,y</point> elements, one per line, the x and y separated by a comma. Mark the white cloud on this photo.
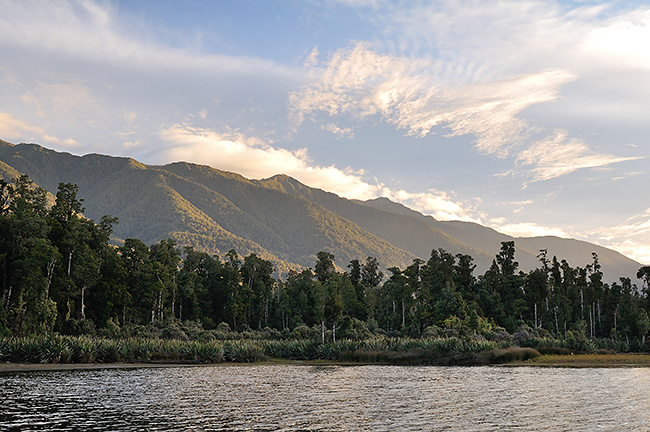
<point>338,131</point>
<point>529,230</point>
<point>631,238</point>
<point>559,155</point>
<point>438,204</point>
<point>14,129</point>
<point>476,68</point>
<point>93,31</point>
<point>62,96</point>
<point>254,158</point>
<point>409,94</point>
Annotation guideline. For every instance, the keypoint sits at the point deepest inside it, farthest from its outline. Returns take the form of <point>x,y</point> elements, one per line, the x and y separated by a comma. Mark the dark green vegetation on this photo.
<point>278,219</point>
<point>60,276</point>
<point>84,349</point>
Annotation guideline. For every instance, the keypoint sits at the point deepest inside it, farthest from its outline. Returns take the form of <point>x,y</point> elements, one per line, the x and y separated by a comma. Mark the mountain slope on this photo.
<point>403,227</point>
<point>198,205</point>
<point>277,218</point>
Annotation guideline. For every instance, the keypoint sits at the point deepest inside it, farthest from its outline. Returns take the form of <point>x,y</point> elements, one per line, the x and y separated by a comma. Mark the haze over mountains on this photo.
<point>278,218</point>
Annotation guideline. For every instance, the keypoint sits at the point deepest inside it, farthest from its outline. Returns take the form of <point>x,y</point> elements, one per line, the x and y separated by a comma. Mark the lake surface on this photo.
<point>327,398</point>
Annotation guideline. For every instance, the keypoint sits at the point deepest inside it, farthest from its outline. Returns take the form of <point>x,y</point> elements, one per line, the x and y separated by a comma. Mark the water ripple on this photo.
<point>327,398</point>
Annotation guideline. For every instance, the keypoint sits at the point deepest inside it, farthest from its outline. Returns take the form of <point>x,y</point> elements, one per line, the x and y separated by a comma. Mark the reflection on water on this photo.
<point>327,398</point>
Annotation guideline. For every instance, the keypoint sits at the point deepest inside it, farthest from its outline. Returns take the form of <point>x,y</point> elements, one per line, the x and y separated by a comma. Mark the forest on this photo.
<point>60,274</point>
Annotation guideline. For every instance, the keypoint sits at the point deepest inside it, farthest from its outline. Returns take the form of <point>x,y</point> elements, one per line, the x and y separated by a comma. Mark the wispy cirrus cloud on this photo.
<point>476,69</point>
<point>360,84</point>
<point>409,93</point>
<point>559,154</point>
<point>528,229</point>
<point>94,31</point>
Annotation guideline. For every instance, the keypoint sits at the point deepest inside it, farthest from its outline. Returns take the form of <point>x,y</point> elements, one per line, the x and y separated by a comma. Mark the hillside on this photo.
<point>278,218</point>
<point>212,210</point>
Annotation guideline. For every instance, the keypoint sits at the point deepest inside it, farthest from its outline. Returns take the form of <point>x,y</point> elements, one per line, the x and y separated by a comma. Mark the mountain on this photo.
<point>278,218</point>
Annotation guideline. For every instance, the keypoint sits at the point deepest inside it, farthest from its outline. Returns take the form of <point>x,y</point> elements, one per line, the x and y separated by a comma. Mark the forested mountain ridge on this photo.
<point>279,219</point>
<point>212,210</point>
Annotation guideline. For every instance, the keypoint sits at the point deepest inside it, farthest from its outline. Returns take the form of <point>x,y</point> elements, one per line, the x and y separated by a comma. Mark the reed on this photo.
<point>85,349</point>
<point>243,351</point>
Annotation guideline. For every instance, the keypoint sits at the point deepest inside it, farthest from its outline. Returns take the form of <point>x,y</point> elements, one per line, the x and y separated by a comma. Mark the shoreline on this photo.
<point>40,367</point>
<point>627,360</point>
<point>562,361</point>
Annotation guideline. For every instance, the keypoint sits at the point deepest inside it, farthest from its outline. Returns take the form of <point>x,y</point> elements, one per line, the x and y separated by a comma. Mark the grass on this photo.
<point>57,349</point>
<point>83,350</point>
<point>592,360</point>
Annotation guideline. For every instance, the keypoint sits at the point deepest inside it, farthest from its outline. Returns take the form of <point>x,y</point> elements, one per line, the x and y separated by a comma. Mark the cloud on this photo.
<point>254,158</point>
<point>93,31</point>
<point>631,238</point>
<point>558,155</point>
<point>439,204</point>
<point>338,131</point>
<point>529,230</point>
<point>409,93</point>
<point>62,96</point>
<point>13,129</point>
<point>477,68</point>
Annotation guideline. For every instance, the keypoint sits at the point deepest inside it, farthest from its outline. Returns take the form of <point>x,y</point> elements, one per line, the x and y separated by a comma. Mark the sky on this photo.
<point>530,117</point>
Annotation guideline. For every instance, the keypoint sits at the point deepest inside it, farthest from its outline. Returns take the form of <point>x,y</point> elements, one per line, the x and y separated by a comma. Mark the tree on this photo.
<point>334,304</point>
<point>449,303</point>
<point>644,274</point>
<point>70,236</point>
<point>371,276</point>
<point>463,275</point>
<point>536,288</point>
<point>642,324</point>
<point>27,258</point>
<point>324,267</point>
<point>139,279</point>
<point>355,272</point>
<point>257,274</point>
<point>506,259</point>
<point>164,258</point>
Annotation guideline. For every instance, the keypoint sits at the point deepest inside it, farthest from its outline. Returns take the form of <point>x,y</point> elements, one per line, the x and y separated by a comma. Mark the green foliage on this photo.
<point>61,275</point>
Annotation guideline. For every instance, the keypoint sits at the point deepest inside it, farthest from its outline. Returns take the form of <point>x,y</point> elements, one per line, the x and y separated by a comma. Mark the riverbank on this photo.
<point>568,361</point>
<point>587,360</point>
<point>36,367</point>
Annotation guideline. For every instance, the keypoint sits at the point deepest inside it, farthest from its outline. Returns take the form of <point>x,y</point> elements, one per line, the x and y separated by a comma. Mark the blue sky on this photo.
<point>530,117</point>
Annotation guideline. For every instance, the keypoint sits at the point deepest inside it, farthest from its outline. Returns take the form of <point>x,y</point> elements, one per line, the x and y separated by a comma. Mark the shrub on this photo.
<point>353,328</point>
<point>301,332</point>
<point>173,331</point>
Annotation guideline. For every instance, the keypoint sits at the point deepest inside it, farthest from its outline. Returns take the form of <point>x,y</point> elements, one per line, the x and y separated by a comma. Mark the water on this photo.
<point>327,398</point>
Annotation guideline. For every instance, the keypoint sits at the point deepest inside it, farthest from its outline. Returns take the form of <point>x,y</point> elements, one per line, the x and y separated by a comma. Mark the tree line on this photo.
<point>59,273</point>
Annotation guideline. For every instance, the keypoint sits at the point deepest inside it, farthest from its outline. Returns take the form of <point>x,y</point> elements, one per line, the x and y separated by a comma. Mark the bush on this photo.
<point>354,329</point>
<point>111,331</point>
<point>431,332</point>
<point>522,334</point>
<point>173,331</point>
<point>301,332</point>
<point>192,329</point>
<point>141,331</point>
<point>75,327</point>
